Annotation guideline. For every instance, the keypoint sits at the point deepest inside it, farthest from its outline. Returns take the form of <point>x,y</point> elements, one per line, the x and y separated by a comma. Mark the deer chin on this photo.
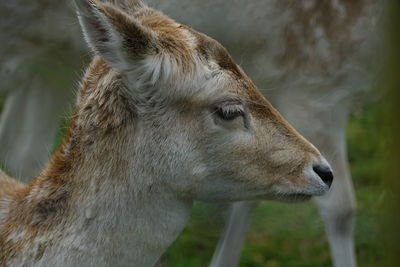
<point>285,193</point>
<point>293,198</point>
<point>286,197</point>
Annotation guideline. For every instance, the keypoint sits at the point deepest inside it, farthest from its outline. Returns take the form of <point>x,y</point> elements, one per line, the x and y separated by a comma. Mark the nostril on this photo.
<point>325,173</point>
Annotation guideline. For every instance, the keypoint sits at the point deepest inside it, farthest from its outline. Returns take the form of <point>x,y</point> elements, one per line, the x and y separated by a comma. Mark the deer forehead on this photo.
<point>188,46</point>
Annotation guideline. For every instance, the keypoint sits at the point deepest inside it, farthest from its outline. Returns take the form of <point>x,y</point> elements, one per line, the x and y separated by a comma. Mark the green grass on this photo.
<point>293,235</point>
<point>363,138</point>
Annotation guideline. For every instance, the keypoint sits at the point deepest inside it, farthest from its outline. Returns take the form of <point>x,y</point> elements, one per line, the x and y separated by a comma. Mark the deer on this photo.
<point>275,42</point>
<point>163,117</point>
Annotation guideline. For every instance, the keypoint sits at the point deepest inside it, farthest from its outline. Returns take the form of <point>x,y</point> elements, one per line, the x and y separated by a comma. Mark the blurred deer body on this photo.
<point>313,59</point>
<point>40,51</point>
<point>163,117</point>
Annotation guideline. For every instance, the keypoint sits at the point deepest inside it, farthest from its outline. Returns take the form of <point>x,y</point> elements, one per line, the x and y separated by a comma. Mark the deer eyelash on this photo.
<point>229,112</point>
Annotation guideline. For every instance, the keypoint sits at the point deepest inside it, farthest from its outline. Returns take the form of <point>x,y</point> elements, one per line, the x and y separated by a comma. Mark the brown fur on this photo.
<point>8,186</point>
<point>207,47</point>
<point>45,202</point>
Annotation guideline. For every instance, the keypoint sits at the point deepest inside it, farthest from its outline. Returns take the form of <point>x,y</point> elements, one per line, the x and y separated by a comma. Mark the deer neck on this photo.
<point>126,228</point>
<point>118,212</point>
<point>102,200</point>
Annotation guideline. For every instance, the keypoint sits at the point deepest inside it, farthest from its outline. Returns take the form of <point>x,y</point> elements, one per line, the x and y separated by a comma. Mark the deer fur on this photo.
<point>275,41</point>
<point>163,117</point>
<point>8,185</point>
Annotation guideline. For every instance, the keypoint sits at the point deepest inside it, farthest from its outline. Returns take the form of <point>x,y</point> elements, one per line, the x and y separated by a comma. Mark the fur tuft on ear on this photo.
<point>129,6</point>
<point>114,35</point>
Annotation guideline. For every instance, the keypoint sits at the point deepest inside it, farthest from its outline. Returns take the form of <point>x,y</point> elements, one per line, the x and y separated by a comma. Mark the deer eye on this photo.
<point>229,112</point>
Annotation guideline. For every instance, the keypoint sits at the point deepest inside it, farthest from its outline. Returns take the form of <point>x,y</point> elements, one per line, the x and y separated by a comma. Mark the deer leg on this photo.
<point>326,129</point>
<point>230,245</point>
<point>337,208</point>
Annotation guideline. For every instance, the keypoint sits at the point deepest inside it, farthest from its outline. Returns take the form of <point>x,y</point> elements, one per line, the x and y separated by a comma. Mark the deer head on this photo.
<point>192,118</point>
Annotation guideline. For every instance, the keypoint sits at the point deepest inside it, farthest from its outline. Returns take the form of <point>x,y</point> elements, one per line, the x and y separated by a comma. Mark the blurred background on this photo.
<point>349,52</point>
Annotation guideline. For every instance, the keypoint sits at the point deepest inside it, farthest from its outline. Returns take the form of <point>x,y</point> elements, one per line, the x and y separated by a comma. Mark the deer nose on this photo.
<point>325,173</point>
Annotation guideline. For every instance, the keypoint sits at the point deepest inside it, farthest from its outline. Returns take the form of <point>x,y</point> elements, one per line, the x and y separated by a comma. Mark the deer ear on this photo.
<point>115,36</point>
